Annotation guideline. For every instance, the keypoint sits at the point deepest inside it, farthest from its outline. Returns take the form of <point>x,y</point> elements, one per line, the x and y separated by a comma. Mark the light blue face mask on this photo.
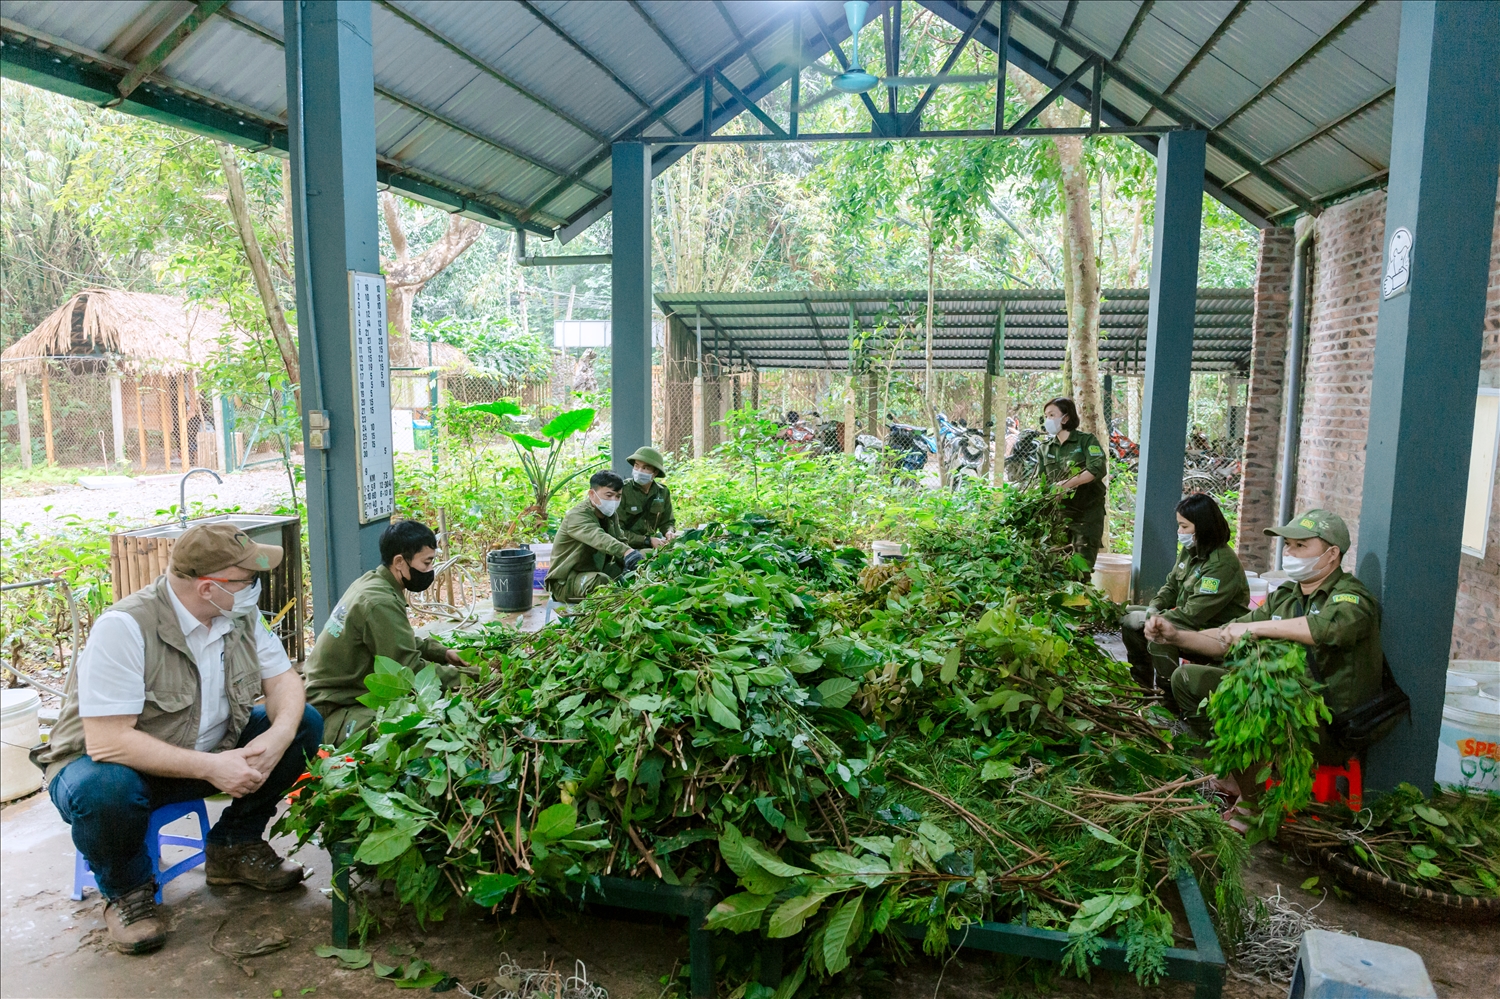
<point>1185,540</point>
<point>244,602</point>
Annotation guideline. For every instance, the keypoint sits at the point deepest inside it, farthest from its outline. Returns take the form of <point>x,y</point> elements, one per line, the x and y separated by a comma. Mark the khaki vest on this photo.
<point>173,690</point>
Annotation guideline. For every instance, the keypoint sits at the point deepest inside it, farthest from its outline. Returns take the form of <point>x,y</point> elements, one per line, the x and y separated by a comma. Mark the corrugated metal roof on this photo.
<point>510,106</point>
<point>812,329</point>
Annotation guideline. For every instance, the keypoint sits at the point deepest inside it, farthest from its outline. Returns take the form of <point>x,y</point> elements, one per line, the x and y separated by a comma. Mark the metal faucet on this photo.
<point>182,491</point>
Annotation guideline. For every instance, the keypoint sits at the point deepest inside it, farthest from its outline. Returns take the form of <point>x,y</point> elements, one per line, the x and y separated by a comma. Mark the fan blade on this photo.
<point>808,105</point>
<point>923,81</point>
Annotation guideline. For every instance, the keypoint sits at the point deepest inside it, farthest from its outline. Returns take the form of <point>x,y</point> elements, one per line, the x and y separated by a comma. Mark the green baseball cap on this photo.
<point>1323,524</point>
<point>652,457</point>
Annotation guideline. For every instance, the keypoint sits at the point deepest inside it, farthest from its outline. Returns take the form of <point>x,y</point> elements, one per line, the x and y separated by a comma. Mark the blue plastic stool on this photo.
<point>83,876</point>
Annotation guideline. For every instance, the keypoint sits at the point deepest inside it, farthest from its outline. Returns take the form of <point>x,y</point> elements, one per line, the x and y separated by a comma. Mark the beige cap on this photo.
<point>204,549</point>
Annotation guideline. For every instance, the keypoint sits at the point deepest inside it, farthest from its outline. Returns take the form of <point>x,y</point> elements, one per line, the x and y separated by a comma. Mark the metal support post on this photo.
<point>630,318</point>
<point>331,124</point>
<point>1445,152</point>
<point>1169,354</point>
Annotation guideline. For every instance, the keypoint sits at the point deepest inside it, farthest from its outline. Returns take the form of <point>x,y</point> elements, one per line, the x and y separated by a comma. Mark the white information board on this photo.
<point>372,396</point>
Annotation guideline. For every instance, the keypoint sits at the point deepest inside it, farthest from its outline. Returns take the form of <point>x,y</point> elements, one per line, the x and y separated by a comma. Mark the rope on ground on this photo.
<point>515,982</point>
<point>1267,953</point>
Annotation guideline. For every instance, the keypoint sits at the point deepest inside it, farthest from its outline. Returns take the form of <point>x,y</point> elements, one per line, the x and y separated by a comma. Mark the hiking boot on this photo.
<point>135,926</point>
<point>254,864</point>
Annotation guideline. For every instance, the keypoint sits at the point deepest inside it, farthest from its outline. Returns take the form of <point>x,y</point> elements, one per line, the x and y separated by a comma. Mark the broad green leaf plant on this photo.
<point>540,456</point>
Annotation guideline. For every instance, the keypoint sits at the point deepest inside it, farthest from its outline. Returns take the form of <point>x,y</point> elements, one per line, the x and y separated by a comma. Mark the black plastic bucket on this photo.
<point>511,578</point>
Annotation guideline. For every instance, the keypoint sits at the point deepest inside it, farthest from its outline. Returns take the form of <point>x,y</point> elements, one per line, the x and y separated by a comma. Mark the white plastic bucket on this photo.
<point>887,551</point>
<point>1469,743</point>
<point>19,732</point>
<point>543,553</point>
<point>1112,575</point>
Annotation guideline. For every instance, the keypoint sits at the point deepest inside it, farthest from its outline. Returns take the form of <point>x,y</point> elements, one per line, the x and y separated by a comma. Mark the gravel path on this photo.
<point>259,490</point>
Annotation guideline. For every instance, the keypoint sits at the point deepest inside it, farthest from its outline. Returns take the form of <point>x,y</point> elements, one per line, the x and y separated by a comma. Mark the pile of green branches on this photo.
<point>836,748</point>
<point>1448,843</point>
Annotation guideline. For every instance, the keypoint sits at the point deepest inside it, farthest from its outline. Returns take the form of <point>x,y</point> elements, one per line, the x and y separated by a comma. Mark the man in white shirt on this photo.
<point>162,708</point>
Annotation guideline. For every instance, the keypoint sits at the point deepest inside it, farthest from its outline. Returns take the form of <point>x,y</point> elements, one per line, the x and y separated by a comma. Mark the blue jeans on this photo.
<point>109,804</point>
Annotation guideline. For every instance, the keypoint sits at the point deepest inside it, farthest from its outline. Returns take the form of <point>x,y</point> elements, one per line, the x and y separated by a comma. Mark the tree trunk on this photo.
<point>928,385</point>
<point>407,275</point>
<point>1083,270</point>
<point>275,316</point>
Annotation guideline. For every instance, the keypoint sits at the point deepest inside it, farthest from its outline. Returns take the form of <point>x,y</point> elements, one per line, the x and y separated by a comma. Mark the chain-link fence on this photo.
<point>83,412</point>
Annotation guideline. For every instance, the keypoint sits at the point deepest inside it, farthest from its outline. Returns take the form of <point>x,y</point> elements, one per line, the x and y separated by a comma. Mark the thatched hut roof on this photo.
<point>139,331</point>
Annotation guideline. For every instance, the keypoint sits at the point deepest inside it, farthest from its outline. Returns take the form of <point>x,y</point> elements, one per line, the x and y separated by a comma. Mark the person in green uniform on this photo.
<point>1074,463</point>
<point>1325,608</point>
<point>646,517</point>
<point>589,549</point>
<point>370,620</point>
<point>1206,588</point>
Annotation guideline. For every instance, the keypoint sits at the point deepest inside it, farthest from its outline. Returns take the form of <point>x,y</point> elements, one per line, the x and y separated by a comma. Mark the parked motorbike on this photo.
<point>964,448</point>
<point>908,447</point>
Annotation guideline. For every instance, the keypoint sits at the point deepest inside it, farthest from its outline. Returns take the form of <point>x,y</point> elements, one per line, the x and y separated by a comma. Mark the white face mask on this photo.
<point>1053,425</point>
<point>643,477</point>
<point>1185,540</point>
<point>607,507</point>
<point>1301,569</point>
<point>243,603</point>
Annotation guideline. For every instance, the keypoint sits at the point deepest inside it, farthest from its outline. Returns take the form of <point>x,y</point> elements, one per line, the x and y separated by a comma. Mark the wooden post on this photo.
<point>164,390</point>
<point>700,425</point>
<point>850,409</point>
<point>872,401</point>
<point>47,415</point>
<point>140,423</point>
<point>989,412</point>
<point>23,420</point>
<point>117,415</point>
<point>755,389</point>
<point>997,469</point>
<point>182,431</point>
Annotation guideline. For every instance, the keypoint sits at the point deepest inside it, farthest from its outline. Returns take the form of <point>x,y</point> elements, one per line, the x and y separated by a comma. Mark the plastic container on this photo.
<point>19,731</point>
<point>1469,738</point>
<point>543,553</point>
<point>511,573</point>
<point>887,551</point>
<point>1112,575</point>
<point>1259,588</point>
<point>421,434</point>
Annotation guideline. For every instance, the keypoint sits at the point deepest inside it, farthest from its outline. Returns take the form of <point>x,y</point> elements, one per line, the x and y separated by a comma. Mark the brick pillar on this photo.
<point>1273,299</point>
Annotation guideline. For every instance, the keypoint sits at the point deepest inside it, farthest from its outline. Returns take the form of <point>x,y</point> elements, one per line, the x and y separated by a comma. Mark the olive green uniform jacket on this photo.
<point>1203,590</point>
<point>1060,461</point>
<point>645,512</point>
<point>1344,618</point>
<point>586,542</point>
<point>368,621</point>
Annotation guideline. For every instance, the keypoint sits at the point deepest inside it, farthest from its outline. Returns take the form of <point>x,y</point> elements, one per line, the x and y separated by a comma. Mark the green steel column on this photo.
<point>331,121</point>
<point>1440,208</point>
<point>1169,354</point>
<point>630,317</point>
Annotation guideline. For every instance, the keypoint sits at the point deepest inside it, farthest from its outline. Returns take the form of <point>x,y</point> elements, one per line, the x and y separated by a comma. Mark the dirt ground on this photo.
<point>51,946</point>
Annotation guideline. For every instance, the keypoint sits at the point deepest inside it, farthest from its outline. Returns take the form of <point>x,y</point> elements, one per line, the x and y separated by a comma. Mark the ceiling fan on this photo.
<point>857,80</point>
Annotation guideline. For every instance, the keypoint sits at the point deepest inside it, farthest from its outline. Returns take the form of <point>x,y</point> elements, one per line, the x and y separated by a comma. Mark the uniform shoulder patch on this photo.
<point>1344,598</point>
<point>1208,585</point>
<point>1095,449</point>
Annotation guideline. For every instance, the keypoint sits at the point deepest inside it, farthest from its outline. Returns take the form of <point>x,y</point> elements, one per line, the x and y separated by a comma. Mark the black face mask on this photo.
<point>417,580</point>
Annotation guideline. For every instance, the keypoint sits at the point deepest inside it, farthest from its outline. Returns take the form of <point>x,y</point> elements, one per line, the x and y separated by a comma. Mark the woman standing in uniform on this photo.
<point>1205,589</point>
<point>1074,463</point>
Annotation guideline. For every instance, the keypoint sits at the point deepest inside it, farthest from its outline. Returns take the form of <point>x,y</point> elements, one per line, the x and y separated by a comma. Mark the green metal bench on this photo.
<point>1203,964</point>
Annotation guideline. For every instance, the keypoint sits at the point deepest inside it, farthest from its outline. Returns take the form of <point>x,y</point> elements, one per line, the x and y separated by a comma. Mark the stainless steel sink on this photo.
<point>264,529</point>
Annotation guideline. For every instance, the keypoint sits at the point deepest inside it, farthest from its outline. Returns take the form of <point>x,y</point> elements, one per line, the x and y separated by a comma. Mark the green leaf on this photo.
<point>1101,834</point>
<point>1310,883</point>
<point>768,861</point>
<point>841,934</point>
<point>935,839</point>
<point>738,913</point>
<point>645,702</point>
<point>500,409</point>
<point>1055,698</point>
<point>351,959</point>
<point>491,889</point>
<point>1427,869</point>
<point>555,822</point>
<point>1432,815</point>
<point>719,713</point>
<point>383,970</point>
<point>789,917</point>
<point>565,425</point>
<point>386,844</point>
<point>425,981</point>
<point>733,848</point>
<point>837,692</point>
<point>389,682</point>
<point>529,442</point>
<point>1424,852</point>
<point>950,666</point>
<point>996,770</point>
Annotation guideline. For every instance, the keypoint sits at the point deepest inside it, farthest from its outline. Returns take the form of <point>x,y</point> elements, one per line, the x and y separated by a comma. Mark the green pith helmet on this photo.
<point>1323,524</point>
<point>652,457</point>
